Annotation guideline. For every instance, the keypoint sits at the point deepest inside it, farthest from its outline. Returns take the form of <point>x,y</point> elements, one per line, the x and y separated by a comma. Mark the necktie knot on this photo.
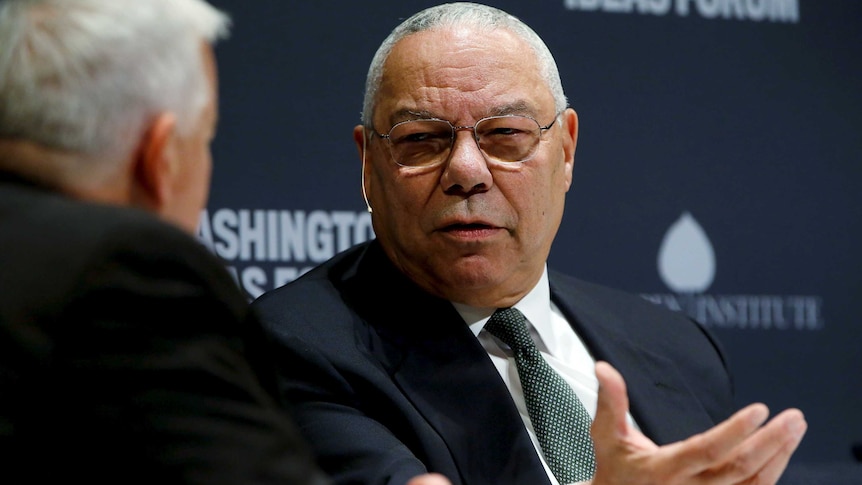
<point>510,326</point>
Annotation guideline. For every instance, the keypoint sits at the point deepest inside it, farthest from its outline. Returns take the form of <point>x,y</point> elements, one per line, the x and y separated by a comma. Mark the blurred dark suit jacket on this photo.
<point>124,356</point>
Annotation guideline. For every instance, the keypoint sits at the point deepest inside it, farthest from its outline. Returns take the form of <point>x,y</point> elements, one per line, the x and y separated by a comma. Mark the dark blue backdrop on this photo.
<point>718,169</point>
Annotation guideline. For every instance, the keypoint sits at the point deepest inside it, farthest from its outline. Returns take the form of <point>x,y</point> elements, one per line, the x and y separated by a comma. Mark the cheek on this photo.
<point>198,173</point>
<point>539,201</point>
<point>555,199</point>
<point>204,175</point>
<point>400,211</point>
<point>400,204</point>
<point>404,191</point>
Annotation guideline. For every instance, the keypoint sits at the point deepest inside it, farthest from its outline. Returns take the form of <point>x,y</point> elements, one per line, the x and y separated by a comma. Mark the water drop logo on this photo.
<point>686,260</point>
<point>686,264</point>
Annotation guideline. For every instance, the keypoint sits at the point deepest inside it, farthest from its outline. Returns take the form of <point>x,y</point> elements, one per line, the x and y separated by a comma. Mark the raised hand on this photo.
<point>741,450</point>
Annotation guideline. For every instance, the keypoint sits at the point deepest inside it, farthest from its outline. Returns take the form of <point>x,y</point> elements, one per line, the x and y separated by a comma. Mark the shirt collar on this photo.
<point>536,306</point>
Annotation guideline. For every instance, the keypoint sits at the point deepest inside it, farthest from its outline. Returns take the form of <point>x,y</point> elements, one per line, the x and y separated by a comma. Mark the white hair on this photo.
<point>88,75</point>
<point>462,14</point>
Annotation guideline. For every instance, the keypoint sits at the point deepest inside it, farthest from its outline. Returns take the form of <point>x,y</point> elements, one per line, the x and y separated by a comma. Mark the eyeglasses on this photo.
<point>428,142</point>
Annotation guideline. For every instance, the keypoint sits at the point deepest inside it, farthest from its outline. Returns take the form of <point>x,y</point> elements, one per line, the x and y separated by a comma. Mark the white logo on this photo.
<point>686,260</point>
<point>786,11</point>
<point>267,248</point>
<point>687,265</point>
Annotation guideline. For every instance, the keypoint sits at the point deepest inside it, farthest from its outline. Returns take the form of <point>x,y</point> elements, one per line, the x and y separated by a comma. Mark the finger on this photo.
<point>612,405</point>
<point>763,457</point>
<point>712,448</point>
<point>429,479</point>
<point>773,470</point>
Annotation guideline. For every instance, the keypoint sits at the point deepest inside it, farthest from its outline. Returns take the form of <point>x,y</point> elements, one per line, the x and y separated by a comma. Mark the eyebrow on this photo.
<point>520,107</point>
<point>405,114</point>
<point>516,108</point>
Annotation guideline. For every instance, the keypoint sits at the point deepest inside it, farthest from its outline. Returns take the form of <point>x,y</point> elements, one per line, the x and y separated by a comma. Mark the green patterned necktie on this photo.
<point>561,423</point>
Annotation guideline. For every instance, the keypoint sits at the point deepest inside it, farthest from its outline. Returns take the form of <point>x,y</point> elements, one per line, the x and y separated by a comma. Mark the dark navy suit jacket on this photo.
<point>387,381</point>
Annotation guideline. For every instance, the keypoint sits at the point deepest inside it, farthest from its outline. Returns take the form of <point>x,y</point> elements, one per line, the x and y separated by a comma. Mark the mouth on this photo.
<point>472,230</point>
<point>467,225</point>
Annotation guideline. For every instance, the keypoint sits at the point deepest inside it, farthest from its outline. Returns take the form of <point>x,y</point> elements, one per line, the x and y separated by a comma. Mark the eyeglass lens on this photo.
<point>504,139</point>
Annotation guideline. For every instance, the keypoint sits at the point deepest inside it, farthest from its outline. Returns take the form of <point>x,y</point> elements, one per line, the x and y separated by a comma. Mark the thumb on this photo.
<point>612,406</point>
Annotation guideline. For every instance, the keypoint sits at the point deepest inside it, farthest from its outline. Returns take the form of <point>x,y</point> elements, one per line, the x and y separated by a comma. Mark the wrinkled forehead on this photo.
<point>462,73</point>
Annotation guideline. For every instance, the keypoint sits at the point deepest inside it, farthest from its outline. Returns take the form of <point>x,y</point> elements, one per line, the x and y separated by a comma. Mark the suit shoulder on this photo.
<point>613,299</point>
<point>52,222</point>
<point>55,249</point>
<point>641,319</point>
<point>606,295</point>
<point>315,298</point>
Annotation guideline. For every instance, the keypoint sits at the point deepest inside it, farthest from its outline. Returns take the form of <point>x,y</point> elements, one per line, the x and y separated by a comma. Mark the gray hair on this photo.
<point>88,75</point>
<point>457,14</point>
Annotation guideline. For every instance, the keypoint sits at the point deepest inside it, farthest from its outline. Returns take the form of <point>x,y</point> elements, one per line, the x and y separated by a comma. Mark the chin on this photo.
<point>471,276</point>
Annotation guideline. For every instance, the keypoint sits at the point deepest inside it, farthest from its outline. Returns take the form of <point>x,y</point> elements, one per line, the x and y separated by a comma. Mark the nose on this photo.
<point>466,171</point>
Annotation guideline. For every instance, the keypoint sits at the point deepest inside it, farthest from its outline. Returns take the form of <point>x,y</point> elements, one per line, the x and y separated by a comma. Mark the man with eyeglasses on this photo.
<point>447,345</point>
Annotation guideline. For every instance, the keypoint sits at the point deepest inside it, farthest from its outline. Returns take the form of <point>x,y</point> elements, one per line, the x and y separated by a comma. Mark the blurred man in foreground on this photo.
<point>124,357</point>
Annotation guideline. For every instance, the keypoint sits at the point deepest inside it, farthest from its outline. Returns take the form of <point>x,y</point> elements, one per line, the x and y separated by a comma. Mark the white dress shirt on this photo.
<point>557,342</point>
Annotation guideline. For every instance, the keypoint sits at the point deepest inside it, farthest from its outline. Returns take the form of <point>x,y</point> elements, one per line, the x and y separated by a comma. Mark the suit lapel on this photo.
<point>660,401</point>
<point>451,381</point>
<point>443,370</point>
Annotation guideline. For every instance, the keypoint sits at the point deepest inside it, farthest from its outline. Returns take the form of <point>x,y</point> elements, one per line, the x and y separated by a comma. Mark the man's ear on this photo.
<point>570,142</point>
<point>361,139</point>
<point>153,164</point>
